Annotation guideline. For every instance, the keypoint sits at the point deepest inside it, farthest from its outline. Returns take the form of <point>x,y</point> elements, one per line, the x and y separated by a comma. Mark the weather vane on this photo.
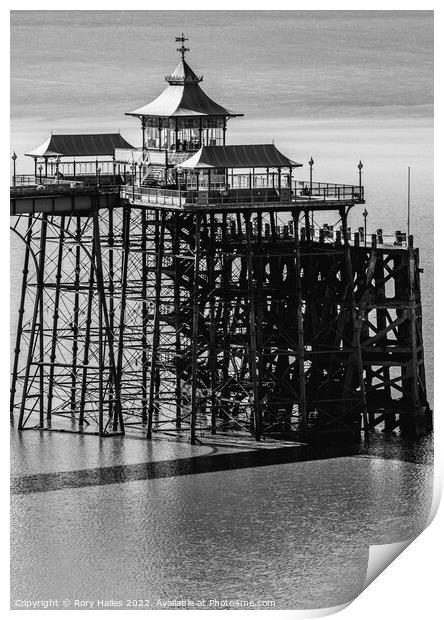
<point>182,49</point>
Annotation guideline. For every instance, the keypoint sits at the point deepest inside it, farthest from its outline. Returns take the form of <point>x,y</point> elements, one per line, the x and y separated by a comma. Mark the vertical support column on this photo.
<point>41,287</point>
<point>55,318</point>
<point>413,327</point>
<point>381,322</point>
<point>124,279</point>
<point>356,322</point>
<point>177,319</point>
<point>300,329</point>
<point>211,257</point>
<point>75,318</point>
<point>225,278</point>
<point>111,289</point>
<point>100,367</point>
<point>195,331</point>
<point>260,276</point>
<point>38,310</point>
<point>307,225</point>
<point>158,242</point>
<point>21,312</point>
<point>104,314</point>
<point>87,342</point>
<point>143,249</point>
<point>143,133</point>
<point>253,342</point>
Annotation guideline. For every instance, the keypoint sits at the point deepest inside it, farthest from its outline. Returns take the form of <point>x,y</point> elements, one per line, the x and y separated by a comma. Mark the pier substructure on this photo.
<point>207,321</point>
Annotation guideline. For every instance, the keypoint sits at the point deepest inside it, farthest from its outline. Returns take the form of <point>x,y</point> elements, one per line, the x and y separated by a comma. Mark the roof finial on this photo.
<point>182,49</point>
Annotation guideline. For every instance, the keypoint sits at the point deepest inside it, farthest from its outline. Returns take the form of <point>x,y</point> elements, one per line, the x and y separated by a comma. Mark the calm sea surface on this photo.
<point>337,86</point>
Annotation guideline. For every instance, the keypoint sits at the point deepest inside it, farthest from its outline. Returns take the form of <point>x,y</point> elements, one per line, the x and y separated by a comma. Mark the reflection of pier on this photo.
<point>197,294</point>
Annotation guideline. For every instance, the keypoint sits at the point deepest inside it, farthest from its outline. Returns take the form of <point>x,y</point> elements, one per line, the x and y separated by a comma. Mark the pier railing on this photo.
<point>30,180</point>
<point>328,191</point>
<point>319,192</point>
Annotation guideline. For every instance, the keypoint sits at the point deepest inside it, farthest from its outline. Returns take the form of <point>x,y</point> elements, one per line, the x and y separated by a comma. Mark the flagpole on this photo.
<point>408,203</point>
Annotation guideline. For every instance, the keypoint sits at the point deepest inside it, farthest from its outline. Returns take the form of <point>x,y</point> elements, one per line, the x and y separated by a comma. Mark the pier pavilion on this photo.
<point>200,296</point>
<point>81,158</point>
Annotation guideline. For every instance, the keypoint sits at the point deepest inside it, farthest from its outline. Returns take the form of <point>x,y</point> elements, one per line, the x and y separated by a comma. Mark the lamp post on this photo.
<point>14,159</point>
<point>99,170</point>
<point>365,213</point>
<point>40,171</point>
<point>310,163</point>
<point>133,168</point>
<point>360,167</point>
<point>57,166</point>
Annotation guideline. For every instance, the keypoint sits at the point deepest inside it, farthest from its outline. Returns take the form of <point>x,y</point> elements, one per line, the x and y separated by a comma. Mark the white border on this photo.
<point>410,588</point>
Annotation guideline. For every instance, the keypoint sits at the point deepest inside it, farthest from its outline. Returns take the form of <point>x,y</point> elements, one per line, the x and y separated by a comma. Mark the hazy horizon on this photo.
<point>339,86</point>
<point>82,70</point>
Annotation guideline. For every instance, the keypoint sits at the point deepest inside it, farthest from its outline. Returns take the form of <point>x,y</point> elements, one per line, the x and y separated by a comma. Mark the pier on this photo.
<point>185,288</point>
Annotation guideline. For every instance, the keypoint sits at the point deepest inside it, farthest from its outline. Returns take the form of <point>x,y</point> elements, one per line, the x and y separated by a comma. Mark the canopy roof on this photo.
<point>80,145</point>
<point>238,156</point>
<point>182,97</point>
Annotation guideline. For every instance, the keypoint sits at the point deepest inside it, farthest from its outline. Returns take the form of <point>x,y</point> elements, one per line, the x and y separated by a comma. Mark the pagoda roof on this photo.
<point>238,156</point>
<point>80,145</point>
<point>182,97</point>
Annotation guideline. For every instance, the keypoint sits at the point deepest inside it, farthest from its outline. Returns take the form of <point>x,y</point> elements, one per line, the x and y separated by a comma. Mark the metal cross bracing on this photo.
<point>65,367</point>
<point>202,322</point>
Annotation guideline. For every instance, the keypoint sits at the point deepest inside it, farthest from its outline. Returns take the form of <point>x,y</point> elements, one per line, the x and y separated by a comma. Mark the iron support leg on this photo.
<point>195,332</point>
<point>159,242</point>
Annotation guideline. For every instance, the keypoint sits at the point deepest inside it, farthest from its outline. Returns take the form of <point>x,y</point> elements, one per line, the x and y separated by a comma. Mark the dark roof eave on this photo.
<point>197,114</point>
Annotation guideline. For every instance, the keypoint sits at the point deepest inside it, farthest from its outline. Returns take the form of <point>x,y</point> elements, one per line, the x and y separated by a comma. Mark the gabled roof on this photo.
<point>182,97</point>
<point>80,145</point>
<point>238,156</point>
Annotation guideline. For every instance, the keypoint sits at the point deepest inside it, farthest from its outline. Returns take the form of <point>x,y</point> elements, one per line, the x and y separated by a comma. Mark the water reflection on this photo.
<point>207,521</point>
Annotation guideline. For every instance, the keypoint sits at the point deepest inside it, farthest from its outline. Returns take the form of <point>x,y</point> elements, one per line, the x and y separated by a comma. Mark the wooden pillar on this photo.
<point>413,327</point>
<point>302,405</point>
<point>356,324</point>
<point>257,412</point>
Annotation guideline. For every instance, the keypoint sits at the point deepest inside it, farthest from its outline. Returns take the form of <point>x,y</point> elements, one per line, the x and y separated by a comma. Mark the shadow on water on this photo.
<point>386,447</point>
